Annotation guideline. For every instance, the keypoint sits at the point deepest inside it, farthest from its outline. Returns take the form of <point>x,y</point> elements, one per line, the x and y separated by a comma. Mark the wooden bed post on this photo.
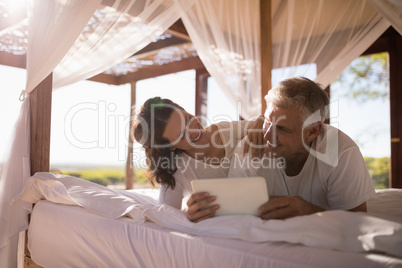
<point>391,41</point>
<point>328,91</point>
<point>40,106</point>
<point>40,101</point>
<point>201,93</point>
<point>130,171</point>
<point>266,50</point>
<point>395,84</point>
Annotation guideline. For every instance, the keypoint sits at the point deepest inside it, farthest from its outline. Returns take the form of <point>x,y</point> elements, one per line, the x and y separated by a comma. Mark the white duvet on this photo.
<point>338,230</point>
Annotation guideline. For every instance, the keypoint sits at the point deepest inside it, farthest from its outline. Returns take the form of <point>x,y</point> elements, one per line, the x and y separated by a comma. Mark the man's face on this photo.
<point>283,133</point>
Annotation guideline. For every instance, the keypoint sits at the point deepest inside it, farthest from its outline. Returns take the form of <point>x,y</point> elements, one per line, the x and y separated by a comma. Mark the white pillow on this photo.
<point>70,190</point>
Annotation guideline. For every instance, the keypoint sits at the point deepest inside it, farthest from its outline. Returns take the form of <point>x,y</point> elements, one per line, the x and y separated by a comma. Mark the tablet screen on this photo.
<point>235,196</point>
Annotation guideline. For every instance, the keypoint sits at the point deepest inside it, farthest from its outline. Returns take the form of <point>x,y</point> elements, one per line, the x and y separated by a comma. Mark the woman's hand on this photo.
<point>198,208</point>
<point>255,138</point>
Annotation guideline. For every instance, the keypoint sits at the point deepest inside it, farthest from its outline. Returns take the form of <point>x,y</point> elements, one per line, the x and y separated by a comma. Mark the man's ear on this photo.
<point>312,132</point>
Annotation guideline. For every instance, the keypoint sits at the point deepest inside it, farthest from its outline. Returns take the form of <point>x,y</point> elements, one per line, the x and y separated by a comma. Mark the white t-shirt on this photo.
<point>334,176</point>
<point>189,169</point>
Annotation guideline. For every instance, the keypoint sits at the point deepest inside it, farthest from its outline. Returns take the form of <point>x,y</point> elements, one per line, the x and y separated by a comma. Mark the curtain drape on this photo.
<point>226,35</point>
<point>50,37</point>
<point>118,31</point>
<point>320,35</point>
<point>391,10</point>
<point>314,38</point>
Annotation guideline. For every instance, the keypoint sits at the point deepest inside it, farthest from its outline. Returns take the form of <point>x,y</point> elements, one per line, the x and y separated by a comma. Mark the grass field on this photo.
<point>108,176</point>
<point>114,176</point>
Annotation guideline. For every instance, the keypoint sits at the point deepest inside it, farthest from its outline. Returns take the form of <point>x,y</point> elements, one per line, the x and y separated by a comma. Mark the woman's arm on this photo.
<point>254,136</point>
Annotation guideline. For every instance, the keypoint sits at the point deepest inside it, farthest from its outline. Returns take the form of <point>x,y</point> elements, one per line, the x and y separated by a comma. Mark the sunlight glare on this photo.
<point>12,5</point>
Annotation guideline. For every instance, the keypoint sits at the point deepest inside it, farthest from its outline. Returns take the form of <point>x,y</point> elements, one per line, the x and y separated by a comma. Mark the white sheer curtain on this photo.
<point>53,28</point>
<point>226,35</point>
<point>121,29</point>
<point>391,10</point>
<point>329,34</point>
<point>319,34</point>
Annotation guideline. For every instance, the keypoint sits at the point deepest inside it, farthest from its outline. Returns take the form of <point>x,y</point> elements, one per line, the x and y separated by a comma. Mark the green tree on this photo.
<point>366,78</point>
<point>379,171</point>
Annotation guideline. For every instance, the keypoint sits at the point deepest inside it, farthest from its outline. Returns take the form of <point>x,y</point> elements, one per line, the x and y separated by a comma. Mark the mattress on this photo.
<point>71,236</point>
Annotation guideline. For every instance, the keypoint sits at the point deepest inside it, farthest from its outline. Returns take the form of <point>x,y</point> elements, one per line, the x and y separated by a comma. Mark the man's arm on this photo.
<point>284,207</point>
<point>360,208</point>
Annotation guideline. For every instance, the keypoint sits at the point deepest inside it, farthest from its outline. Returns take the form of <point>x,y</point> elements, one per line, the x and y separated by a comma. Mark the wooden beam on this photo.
<point>159,70</point>
<point>201,94</point>
<point>40,101</point>
<point>395,82</point>
<point>40,106</point>
<point>105,78</point>
<point>266,50</point>
<point>178,30</point>
<point>155,47</point>
<point>9,59</point>
<point>328,91</point>
<point>130,172</point>
<point>391,42</point>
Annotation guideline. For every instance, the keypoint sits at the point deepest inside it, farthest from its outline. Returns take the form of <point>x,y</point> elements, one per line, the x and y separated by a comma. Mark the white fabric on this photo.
<point>339,230</point>
<point>226,35</point>
<point>391,10</point>
<point>386,201</point>
<point>347,231</point>
<point>14,214</point>
<point>123,29</point>
<point>336,179</point>
<point>329,34</point>
<point>69,236</point>
<point>189,169</point>
<point>70,190</point>
<point>53,28</point>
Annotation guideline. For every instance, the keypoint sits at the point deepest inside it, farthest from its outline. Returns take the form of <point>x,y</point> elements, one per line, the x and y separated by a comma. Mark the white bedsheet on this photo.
<point>71,236</point>
<point>331,230</point>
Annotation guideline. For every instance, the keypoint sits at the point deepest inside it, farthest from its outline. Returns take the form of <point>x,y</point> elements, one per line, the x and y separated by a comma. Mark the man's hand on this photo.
<point>255,138</point>
<point>286,207</point>
<point>197,207</point>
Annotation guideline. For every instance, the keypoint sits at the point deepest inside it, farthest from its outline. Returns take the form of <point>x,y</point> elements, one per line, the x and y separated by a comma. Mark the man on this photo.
<point>309,166</point>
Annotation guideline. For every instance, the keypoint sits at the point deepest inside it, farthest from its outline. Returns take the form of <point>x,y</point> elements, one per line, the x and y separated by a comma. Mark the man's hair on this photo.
<point>300,92</point>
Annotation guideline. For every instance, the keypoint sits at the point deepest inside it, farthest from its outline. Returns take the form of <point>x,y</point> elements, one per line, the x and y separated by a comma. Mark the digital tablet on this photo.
<point>235,196</point>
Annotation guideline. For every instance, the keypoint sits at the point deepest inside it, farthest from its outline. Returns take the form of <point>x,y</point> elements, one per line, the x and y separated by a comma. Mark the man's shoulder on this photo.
<point>335,135</point>
<point>331,145</point>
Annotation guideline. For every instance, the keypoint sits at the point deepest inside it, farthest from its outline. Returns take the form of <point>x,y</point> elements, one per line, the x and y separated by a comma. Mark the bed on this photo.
<point>51,51</point>
<point>76,223</point>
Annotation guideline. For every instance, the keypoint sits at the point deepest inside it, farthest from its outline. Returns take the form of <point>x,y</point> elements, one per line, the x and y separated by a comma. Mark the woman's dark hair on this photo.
<point>148,128</point>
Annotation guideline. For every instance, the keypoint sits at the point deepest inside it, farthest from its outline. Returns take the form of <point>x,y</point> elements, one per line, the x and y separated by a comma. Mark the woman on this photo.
<point>179,149</point>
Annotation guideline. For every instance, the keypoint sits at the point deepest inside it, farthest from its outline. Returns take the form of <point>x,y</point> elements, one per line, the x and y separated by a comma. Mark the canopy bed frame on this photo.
<point>40,113</point>
<point>40,134</point>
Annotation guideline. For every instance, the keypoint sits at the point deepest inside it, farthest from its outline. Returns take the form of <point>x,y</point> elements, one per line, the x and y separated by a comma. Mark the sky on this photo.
<point>90,120</point>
